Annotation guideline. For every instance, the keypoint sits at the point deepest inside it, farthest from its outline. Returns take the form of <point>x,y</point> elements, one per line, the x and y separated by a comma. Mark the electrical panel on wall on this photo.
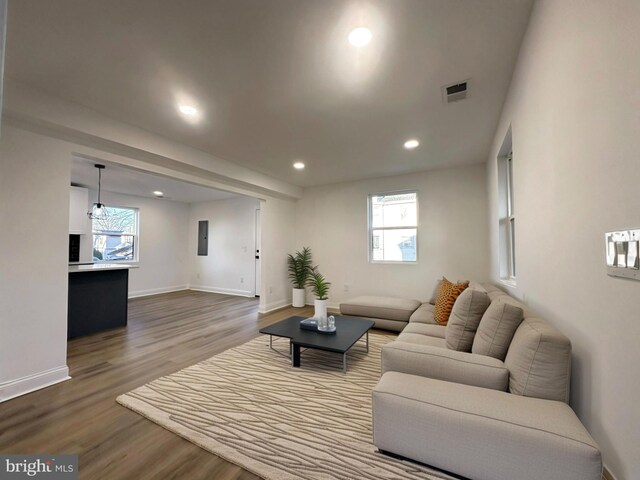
<point>623,258</point>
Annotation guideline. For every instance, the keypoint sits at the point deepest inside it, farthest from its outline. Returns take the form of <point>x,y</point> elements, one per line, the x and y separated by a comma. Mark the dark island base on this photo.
<point>97,301</point>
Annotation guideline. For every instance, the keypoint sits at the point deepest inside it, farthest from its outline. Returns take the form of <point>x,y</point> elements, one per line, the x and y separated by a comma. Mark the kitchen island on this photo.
<point>98,297</point>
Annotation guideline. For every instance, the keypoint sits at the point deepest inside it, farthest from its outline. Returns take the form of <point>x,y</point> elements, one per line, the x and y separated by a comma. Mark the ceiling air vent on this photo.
<point>455,92</point>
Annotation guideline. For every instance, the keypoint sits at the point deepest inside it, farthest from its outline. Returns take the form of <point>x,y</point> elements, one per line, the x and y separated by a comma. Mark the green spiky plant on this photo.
<point>299,267</point>
<point>319,285</point>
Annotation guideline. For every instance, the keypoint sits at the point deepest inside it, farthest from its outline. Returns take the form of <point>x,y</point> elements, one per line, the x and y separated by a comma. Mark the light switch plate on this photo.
<point>622,253</point>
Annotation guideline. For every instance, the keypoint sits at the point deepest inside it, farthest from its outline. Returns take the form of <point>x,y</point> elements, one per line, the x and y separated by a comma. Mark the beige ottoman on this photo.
<point>481,433</point>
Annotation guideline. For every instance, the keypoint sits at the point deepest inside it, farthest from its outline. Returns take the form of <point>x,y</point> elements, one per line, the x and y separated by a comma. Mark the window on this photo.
<point>507,220</point>
<point>393,227</point>
<point>115,235</point>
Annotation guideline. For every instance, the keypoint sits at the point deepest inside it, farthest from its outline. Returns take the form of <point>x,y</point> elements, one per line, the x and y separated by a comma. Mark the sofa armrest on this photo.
<point>444,364</point>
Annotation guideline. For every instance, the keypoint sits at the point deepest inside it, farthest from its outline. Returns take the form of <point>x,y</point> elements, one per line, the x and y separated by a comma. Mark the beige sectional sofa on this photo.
<point>498,417</point>
<point>388,313</point>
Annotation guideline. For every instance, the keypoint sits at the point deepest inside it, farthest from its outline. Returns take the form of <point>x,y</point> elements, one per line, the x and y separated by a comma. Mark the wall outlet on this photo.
<point>270,289</point>
<point>198,275</point>
<point>241,279</point>
<point>346,288</point>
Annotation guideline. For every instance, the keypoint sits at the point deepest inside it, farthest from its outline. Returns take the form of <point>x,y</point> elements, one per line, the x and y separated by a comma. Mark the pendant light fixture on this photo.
<point>98,211</point>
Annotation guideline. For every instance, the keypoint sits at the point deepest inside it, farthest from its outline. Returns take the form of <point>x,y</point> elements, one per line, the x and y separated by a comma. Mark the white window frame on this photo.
<point>511,219</point>
<point>370,228</point>
<point>507,220</point>
<point>136,237</point>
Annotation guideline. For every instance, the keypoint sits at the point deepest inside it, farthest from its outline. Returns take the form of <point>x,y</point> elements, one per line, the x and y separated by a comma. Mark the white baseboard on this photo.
<point>278,304</point>
<point>287,303</point>
<point>225,291</point>
<point>156,291</point>
<point>330,306</point>
<point>31,383</point>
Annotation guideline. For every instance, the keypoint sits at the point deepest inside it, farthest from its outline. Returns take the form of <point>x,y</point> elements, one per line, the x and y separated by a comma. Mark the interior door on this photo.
<point>258,252</point>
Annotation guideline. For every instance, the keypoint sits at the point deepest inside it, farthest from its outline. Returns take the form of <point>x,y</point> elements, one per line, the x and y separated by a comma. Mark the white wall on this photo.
<point>278,239</point>
<point>34,214</point>
<point>230,265</point>
<point>3,27</point>
<point>163,235</point>
<point>573,106</point>
<point>452,233</point>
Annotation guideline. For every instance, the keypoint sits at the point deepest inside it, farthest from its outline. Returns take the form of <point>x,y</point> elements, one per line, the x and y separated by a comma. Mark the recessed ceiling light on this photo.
<point>188,110</point>
<point>360,37</point>
<point>411,144</point>
<point>158,193</point>
<point>298,165</point>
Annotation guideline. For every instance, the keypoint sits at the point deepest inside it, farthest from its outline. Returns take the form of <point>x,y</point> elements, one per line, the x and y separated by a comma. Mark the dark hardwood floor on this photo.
<point>165,333</point>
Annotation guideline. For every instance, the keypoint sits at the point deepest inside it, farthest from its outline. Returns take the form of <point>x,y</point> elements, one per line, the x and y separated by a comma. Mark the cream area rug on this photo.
<point>250,407</point>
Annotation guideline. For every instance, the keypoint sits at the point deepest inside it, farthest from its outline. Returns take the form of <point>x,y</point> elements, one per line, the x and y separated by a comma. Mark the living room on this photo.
<point>556,83</point>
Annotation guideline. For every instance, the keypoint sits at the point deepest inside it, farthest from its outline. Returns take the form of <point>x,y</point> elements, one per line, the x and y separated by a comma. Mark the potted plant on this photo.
<point>320,288</point>
<point>299,267</point>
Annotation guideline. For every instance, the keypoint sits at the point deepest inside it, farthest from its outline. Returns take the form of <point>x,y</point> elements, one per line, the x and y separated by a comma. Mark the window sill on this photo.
<point>508,282</point>
<point>115,262</point>
<point>382,262</point>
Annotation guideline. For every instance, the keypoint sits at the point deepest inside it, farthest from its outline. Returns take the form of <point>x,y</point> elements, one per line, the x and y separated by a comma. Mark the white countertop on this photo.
<point>96,267</point>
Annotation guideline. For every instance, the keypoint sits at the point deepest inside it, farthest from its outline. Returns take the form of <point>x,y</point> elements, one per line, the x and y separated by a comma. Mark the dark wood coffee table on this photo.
<point>348,331</point>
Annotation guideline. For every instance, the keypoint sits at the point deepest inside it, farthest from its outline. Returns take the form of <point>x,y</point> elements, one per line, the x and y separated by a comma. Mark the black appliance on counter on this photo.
<point>74,248</point>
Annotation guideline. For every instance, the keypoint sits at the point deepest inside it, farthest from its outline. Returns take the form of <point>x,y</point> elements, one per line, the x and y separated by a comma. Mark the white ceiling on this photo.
<point>119,179</point>
<point>277,80</point>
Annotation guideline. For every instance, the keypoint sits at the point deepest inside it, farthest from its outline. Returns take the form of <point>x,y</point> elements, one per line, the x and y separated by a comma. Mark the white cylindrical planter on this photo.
<point>299,297</point>
<point>320,309</point>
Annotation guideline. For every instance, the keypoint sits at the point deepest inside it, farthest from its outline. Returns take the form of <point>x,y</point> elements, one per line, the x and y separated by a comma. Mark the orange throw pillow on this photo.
<point>447,296</point>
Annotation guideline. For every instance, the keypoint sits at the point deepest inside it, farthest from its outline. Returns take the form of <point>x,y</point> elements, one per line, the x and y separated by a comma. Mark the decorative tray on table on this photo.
<point>312,324</point>
<point>309,324</point>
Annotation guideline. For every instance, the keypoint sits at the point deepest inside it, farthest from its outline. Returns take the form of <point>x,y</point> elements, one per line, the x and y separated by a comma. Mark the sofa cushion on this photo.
<point>437,331</point>
<point>424,314</point>
<point>496,294</point>
<point>444,364</point>
<point>420,339</point>
<point>386,324</point>
<point>481,433</point>
<point>447,296</point>
<point>390,308</point>
<point>465,317</point>
<point>539,361</point>
<point>496,330</point>
<point>472,284</point>
<point>477,286</point>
